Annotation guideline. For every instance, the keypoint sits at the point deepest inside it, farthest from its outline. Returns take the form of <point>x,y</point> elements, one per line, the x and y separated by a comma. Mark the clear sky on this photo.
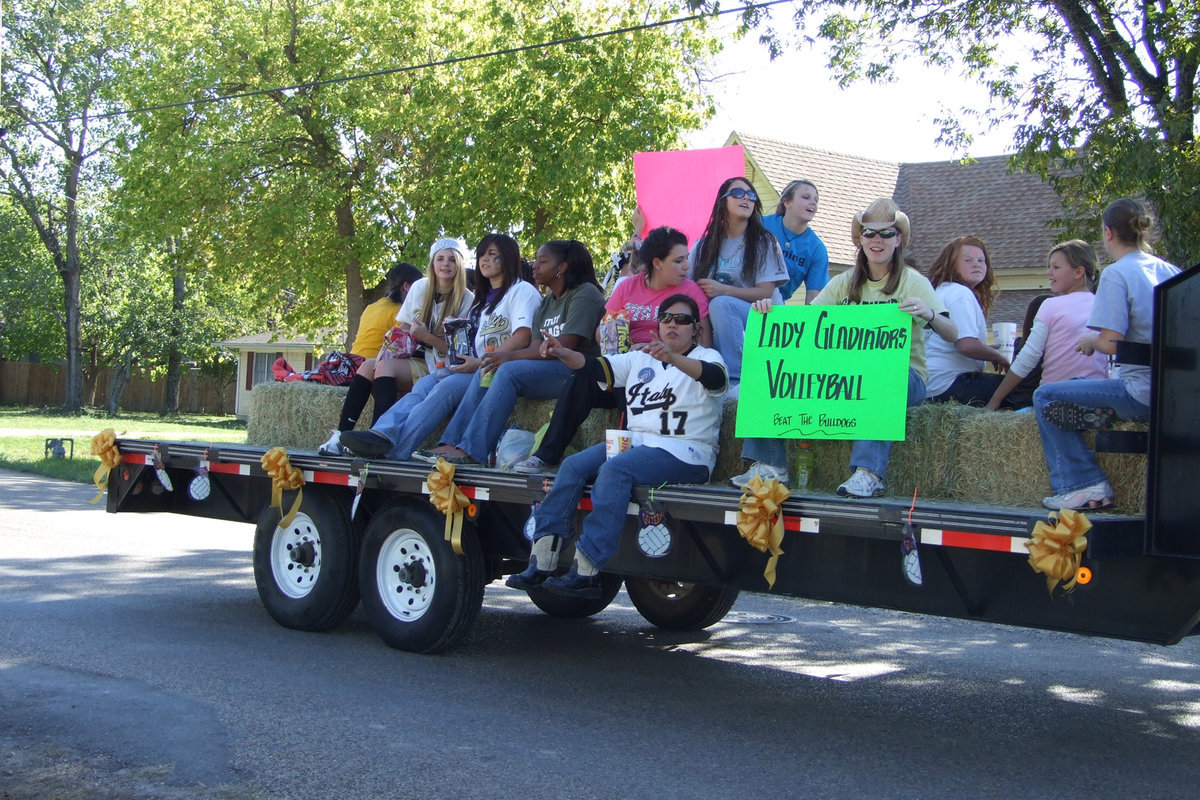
<point>794,99</point>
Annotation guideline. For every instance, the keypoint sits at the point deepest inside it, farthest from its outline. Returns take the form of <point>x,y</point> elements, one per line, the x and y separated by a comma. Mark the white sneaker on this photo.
<point>1092,498</point>
<point>863,483</point>
<point>763,470</point>
<point>333,447</point>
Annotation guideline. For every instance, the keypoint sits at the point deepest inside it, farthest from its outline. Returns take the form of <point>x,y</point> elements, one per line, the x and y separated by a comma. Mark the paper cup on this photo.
<point>1005,335</point>
<point>616,442</point>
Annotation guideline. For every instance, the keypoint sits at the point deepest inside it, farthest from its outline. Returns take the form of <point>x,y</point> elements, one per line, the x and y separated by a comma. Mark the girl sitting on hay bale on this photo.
<point>879,276</point>
<point>1123,311</point>
<point>963,279</point>
<point>1059,323</point>
<point>501,318</point>
<point>417,331</point>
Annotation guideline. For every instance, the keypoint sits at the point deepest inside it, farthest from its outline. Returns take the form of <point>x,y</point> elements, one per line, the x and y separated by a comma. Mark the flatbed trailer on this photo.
<point>366,531</point>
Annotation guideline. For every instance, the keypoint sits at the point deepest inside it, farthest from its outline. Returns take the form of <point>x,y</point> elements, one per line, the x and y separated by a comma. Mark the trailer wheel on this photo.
<point>680,606</point>
<point>557,605</point>
<point>307,574</point>
<point>417,593</point>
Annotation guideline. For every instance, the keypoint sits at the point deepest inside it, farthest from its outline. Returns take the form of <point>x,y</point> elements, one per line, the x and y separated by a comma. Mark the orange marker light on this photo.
<point>1083,576</point>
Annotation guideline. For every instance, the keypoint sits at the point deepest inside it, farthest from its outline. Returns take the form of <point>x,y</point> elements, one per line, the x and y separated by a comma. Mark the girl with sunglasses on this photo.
<point>664,273</point>
<point>880,276</point>
<point>736,262</point>
<point>501,317</point>
<point>674,390</point>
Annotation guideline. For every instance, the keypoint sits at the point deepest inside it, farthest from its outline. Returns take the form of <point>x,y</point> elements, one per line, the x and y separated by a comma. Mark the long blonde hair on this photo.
<point>453,302</point>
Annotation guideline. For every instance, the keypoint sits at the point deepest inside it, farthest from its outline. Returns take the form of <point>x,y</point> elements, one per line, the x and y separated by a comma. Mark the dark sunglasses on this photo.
<point>885,233</point>
<point>678,319</point>
<point>739,193</point>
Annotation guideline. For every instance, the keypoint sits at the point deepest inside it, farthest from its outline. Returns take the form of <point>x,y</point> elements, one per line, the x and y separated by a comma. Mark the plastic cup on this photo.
<point>616,442</point>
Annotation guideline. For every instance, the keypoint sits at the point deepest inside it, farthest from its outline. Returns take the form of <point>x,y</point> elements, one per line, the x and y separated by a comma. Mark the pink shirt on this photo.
<point>1065,317</point>
<point>641,304</point>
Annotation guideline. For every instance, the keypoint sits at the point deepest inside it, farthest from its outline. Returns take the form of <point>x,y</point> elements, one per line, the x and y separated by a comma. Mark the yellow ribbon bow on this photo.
<point>1056,547</point>
<point>448,499</point>
<point>283,476</point>
<point>760,519</point>
<point>104,444</point>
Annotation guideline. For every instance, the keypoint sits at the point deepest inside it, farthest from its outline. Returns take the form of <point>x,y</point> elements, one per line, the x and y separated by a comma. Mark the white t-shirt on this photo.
<point>413,303</point>
<point>942,358</point>
<point>514,311</point>
<point>669,409</point>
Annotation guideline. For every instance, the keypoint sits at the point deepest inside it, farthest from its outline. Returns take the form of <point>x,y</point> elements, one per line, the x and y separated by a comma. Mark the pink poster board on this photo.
<point>678,187</point>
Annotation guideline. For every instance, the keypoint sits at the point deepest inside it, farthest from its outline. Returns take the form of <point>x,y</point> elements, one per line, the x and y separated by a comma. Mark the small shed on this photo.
<point>256,356</point>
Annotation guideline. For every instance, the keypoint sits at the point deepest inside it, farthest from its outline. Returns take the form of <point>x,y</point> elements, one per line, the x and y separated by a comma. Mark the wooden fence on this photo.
<point>26,384</point>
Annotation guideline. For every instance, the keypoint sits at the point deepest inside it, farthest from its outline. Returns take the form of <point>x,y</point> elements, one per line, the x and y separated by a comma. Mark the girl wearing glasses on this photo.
<point>736,262</point>
<point>880,276</point>
<point>663,274</point>
<point>674,391</point>
<point>962,277</point>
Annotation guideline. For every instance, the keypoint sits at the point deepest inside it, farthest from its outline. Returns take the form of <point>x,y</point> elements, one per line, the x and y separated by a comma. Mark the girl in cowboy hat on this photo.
<point>879,276</point>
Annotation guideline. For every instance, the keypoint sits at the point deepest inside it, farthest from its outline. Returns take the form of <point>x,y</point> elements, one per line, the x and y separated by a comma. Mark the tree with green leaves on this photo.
<point>1104,93</point>
<point>57,68</point>
<point>294,172</point>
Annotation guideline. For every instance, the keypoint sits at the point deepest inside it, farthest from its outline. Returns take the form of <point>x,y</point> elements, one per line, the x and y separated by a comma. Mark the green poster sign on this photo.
<point>825,372</point>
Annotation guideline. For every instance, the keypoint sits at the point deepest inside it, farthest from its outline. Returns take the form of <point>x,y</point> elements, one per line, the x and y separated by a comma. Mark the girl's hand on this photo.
<point>992,405</point>
<point>918,308</point>
<point>553,348</point>
<point>1000,361</point>
<point>657,349</point>
<point>1086,344</point>
<point>641,347</point>
<point>763,306</point>
<point>639,221</point>
<point>420,332</point>
<point>713,288</point>
<point>492,361</point>
<point>469,364</point>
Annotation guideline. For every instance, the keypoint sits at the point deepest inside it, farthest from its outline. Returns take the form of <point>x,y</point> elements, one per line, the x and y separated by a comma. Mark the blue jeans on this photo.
<point>728,316</point>
<point>483,414</point>
<point>614,480</point>
<point>768,451</point>
<point>1072,464</point>
<point>419,412</point>
<point>874,455</point>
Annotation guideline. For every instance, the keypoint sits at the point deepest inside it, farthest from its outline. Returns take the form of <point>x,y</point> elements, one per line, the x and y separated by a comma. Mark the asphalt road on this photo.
<point>136,661</point>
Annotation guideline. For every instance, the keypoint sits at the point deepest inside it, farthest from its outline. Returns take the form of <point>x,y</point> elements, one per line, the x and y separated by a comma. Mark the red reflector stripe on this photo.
<point>333,478</point>
<point>980,541</point>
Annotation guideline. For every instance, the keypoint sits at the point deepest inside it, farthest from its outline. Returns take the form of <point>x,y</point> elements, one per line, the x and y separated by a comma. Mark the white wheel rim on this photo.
<point>296,557</point>
<point>405,575</point>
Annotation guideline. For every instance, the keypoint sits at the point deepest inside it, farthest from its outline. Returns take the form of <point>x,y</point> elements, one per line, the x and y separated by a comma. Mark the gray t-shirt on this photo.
<point>578,312</point>
<point>729,263</point>
<point>1125,304</point>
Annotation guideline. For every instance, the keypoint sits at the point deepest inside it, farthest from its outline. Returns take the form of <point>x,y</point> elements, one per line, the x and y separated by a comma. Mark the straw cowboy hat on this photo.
<point>882,213</point>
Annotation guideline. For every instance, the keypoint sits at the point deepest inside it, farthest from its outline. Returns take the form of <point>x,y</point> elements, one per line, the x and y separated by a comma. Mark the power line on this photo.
<point>409,68</point>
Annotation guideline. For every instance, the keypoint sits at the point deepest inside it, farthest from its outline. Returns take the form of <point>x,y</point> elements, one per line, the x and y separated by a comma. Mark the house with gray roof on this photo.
<point>1012,213</point>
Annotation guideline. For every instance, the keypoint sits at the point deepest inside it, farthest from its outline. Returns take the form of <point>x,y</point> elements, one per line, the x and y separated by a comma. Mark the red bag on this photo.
<point>397,343</point>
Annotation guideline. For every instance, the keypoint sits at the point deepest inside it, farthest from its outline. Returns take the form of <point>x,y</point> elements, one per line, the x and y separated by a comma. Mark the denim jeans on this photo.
<point>971,389</point>
<point>728,316</point>
<point>1071,462</point>
<point>612,490</point>
<point>768,451</point>
<point>419,412</point>
<point>874,455</point>
<point>483,414</point>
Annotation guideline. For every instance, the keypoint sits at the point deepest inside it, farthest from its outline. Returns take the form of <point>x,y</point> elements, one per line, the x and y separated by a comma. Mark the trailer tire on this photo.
<point>557,605</point>
<point>680,606</point>
<point>307,575</point>
<point>418,594</point>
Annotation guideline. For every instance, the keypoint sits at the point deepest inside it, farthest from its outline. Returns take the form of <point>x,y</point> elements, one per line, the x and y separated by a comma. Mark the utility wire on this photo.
<point>397,70</point>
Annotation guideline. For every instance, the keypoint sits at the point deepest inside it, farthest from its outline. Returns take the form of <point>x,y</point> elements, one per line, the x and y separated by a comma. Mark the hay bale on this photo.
<point>297,415</point>
<point>927,459</point>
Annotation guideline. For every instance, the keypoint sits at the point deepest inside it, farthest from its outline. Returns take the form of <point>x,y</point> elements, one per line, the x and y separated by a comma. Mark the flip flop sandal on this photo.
<point>1070,416</point>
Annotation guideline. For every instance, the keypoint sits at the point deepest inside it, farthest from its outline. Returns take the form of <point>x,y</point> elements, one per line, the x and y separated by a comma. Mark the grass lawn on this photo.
<point>23,434</point>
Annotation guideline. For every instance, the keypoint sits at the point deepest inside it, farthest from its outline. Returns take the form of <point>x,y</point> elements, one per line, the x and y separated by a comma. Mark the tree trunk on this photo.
<point>174,356</point>
<point>119,381</point>
<point>71,270</point>
<point>354,282</point>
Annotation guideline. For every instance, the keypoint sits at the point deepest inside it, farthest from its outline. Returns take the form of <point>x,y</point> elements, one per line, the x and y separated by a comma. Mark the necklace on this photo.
<point>787,240</point>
